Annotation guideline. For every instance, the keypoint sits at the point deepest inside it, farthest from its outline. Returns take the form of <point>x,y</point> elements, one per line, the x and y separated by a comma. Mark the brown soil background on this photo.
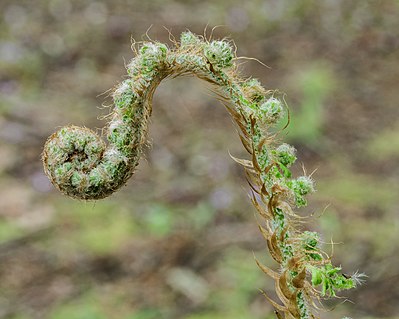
<point>178,240</point>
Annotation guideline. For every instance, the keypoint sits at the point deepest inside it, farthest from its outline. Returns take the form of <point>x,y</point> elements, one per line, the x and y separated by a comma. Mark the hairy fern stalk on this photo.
<point>81,165</point>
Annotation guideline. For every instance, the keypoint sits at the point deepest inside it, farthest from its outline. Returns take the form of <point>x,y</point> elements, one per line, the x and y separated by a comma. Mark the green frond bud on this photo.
<point>330,279</point>
<point>254,90</point>
<point>304,185</point>
<point>155,50</point>
<point>252,83</point>
<point>124,96</point>
<point>133,68</point>
<point>271,111</point>
<point>77,162</point>
<point>189,39</point>
<point>310,245</point>
<point>63,171</point>
<point>150,59</point>
<point>219,53</point>
<point>302,306</point>
<point>310,240</point>
<point>285,154</point>
<point>79,180</point>
<point>301,187</point>
<point>120,135</point>
<point>317,276</point>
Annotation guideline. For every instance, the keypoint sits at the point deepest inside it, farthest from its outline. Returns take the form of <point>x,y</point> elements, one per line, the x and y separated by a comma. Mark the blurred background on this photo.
<point>178,240</point>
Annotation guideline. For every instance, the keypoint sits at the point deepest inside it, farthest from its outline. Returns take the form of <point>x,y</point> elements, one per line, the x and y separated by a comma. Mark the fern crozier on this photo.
<point>81,165</point>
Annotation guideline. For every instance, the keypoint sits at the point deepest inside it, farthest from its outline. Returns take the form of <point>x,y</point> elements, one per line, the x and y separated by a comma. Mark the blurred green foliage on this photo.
<point>359,191</point>
<point>90,306</point>
<point>97,228</point>
<point>9,231</point>
<point>159,220</point>
<point>385,145</point>
<point>315,83</point>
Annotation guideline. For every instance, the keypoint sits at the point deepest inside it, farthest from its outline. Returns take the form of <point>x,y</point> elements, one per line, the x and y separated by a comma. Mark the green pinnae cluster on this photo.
<point>121,136</point>
<point>154,50</point>
<point>301,186</point>
<point>78,146</point>
<point>127,102</point>
<point>124,96</point>
<point>310,244</point>
<point>263,157</point>
<point>310,240</point>
<point>189,39</point>
<point>330,280</point>
<point>148,62</point>
<point>191,56</point>
<point>254,90</point>
<point>270,111</point>
<point>69,155</point>
<point>151,57</point>
<point>219,53</point>
<point>285,154</point>
<point>302,306</point>
<point>109,172</point>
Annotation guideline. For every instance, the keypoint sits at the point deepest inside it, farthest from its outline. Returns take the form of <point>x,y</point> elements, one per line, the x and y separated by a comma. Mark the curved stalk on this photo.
<point>82,166</point>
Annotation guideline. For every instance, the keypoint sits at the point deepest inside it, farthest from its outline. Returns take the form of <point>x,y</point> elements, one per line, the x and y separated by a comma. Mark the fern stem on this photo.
<point>81,165</point>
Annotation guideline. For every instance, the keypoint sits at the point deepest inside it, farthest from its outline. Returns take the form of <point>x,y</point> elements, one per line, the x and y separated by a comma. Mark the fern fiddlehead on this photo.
<point>81,165</point>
